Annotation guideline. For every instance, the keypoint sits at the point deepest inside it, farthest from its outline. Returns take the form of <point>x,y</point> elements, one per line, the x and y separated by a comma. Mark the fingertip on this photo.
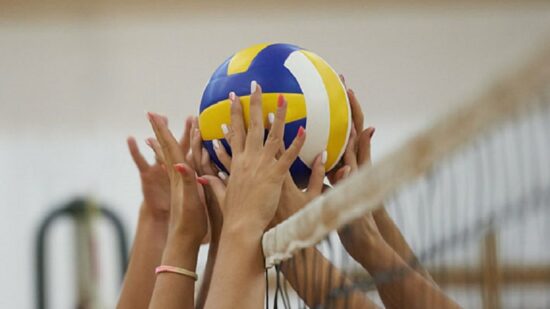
<point>346,171</point>
<point>180,168</point>
<point>222,175</point>
<point>324,156</point>
<point>202,180</point>
<point>301,132</point>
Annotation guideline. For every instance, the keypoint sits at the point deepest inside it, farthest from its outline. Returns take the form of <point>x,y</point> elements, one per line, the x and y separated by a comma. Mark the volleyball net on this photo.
<point>470,194</point>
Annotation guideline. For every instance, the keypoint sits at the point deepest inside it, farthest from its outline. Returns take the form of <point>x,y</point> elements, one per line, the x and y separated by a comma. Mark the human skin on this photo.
<point>187,224</point>
<point>375,241</point>
<point>151,232</point>
<point>249,203</point>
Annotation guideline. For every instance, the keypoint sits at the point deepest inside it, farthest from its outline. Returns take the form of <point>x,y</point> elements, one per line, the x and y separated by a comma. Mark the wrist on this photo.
<point>181,252</point>
<point>149,213</point>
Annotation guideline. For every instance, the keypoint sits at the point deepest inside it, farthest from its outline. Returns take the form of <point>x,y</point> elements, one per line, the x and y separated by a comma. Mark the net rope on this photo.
<point>522,95</point>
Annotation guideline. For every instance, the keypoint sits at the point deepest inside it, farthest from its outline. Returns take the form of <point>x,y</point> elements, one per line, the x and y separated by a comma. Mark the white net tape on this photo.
<point>507,100</point>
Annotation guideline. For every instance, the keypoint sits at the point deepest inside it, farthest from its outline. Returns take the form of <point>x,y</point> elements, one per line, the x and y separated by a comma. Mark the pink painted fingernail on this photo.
<point>202,181</point>
<point>347,170</point>
<point>180,168</point>
<point>301,131</point>
<point>280,100</point>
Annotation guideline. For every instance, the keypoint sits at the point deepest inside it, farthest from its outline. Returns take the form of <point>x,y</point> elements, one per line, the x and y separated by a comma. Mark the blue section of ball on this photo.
<point>267,69</point>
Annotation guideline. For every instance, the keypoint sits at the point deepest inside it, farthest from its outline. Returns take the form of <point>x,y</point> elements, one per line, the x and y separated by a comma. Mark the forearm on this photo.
<point>175,290</point>
<point>146,254</point>
<point>313,277</point>
<point>393,237</point>
<point>238,271</point>
<point>398,284</point>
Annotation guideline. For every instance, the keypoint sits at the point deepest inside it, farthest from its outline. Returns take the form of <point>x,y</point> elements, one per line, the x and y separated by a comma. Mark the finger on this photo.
<point>188,176</point>
<point>222,154</point>
<point>255,134</point>
<point>139,160</point>
<point>343,80</point>
<point>293,151</point>
<point>154,144</point>
<point>356,112</point>
<point>275,136</point>
<point>342,173</point>
<point>170,147</point>
<point>364,152</point>
<point>217,186</point>
<point>350,155</point>
<point>238,132</point>
<point>185,140</point>
<point>206,164</point>
<point>315,186</point>
<point>196,144</point>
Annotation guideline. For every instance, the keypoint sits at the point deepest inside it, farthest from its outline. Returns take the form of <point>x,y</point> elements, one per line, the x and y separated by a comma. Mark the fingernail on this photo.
<point>280,100</point>
<point>253,86</point>
<point>271,117</point>
<point>149,116</point>
<point>197,132</point>
<point>372,133</point>
<point>222,175</point>
<point>232,96</point>
<point>324,157</point>
<point>342,78</point>
<point>225,129</point>
<point>202,181</point>
<point>180,168</point>
<point>301,131</point>
<point>347,171</point>
<point>216,143</point>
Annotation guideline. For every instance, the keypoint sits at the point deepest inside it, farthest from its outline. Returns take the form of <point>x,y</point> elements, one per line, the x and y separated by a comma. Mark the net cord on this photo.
<point>507,99</point>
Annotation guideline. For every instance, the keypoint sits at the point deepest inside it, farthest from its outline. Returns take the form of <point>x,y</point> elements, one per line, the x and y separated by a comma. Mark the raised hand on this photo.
<point>250,201</point>
<point>187,209</point>
<point>257,171</point>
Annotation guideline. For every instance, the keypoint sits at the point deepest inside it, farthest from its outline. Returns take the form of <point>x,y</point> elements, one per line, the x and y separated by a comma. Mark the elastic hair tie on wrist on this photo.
<point>176,270</point>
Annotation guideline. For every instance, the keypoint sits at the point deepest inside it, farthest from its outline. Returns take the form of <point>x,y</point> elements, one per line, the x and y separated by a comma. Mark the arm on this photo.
<point>174,290</point>
<point>398,284</point>
<point>151,233</point>
<point>315,293</point>
<point>145,256</point>
<point>187,225</point>
<point>393,237</point>
<point>249,203</point>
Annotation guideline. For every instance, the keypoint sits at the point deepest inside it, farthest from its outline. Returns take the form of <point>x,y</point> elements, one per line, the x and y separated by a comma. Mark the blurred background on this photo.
<point>76,78</point>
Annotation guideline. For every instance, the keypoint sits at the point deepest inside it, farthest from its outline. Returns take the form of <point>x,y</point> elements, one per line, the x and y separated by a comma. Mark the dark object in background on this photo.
<point>82,212</point>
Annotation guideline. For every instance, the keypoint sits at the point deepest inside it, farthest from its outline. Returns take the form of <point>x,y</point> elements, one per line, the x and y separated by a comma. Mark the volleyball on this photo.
<point>316,97</point>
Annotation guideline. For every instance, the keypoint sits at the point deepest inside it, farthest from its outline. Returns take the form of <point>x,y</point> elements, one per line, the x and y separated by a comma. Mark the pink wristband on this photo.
<point>176,270</point>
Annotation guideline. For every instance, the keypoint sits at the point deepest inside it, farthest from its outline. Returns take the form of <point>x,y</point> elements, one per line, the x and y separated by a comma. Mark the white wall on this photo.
<point>72,89</point>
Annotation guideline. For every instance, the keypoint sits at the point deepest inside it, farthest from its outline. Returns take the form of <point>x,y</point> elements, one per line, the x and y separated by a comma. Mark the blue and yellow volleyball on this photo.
<point>316,97</point>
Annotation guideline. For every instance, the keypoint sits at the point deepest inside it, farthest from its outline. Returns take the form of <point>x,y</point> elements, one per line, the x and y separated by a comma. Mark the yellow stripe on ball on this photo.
<point>211,119</point>
<point>241,61</point>
<point>339,109</point>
